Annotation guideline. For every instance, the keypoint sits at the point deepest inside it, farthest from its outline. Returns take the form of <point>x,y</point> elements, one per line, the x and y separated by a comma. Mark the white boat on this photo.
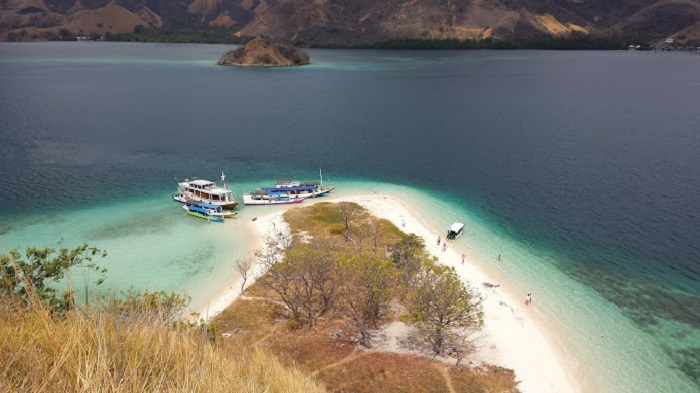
<point>455,231</point>
<point>207,192</point>
<point>260,197</point>
<point>299,189</point>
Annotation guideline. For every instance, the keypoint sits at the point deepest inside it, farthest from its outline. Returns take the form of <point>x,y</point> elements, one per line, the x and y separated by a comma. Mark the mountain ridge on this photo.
<point>354,22</point>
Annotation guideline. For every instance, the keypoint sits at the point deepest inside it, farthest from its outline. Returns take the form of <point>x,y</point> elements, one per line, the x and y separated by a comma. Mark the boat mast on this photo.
<point>223,185</point>
<point>321,175</point>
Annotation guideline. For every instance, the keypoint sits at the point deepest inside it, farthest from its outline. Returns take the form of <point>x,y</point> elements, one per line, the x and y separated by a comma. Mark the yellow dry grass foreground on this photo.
<point>99,351</point>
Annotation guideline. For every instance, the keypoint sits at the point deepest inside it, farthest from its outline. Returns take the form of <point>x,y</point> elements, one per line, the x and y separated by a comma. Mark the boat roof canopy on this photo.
<point>201,182</point>
<point>198,209</point>
<point>285,189</point>
<point>456,227</point>
<point>208,205</point>
<point>282,182</point>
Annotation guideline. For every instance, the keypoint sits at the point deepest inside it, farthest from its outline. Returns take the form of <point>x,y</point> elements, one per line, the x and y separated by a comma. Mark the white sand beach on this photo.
<point>512,338</point>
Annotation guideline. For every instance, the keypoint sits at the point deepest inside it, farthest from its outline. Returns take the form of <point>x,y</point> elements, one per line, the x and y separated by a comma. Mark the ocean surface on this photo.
<point>582,169</point>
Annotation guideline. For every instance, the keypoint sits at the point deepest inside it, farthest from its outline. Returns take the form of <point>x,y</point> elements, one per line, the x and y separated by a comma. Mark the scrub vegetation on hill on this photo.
<point>130,344</point>
<point>336,281</point>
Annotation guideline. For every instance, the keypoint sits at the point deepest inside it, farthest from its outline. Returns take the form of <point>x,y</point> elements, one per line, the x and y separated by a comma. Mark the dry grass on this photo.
<point>97,351</point>
<point>343,368</point>
<point>325,219</point>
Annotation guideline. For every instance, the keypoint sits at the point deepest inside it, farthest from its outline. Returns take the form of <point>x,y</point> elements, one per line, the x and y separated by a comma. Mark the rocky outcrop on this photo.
<point>263,52</point>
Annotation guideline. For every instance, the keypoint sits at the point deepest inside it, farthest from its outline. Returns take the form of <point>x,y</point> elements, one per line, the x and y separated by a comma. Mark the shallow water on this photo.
<point>578,167</point>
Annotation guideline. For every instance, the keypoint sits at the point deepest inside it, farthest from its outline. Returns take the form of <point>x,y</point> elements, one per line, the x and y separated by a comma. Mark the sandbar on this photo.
<point>511,336</point>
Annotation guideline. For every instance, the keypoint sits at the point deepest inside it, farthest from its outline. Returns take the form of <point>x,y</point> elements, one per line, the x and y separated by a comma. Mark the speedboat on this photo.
<point>455,231</point>
<point>207,192</point>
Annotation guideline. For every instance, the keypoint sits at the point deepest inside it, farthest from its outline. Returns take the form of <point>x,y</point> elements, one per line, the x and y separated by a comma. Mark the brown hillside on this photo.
<point>663,18</point>
<point>33,19</point>
<point>353,22</point>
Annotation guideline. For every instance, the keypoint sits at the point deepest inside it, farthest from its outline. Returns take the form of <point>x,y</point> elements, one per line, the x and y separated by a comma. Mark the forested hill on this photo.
<point>351,22</point>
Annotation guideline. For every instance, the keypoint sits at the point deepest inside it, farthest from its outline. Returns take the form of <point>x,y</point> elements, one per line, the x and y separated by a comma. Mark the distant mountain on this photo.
<point>353,22</point>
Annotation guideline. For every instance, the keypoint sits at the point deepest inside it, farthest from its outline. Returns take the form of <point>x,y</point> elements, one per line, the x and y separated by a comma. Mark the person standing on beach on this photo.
<point>438,240</point>
<point>499,257</point>
<point>444,246</point>
<point>463,258</point>
<point>528,298</point>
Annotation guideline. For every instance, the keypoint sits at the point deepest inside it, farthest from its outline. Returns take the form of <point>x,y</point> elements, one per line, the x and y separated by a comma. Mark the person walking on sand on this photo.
<point>444,246</point>
<point>438,240</point>
<point>528,298</point>
<point>463,258</point>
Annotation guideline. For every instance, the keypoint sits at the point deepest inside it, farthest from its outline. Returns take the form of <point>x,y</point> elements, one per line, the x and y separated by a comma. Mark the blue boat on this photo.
<point>214,210</point>
<point>201,212</point>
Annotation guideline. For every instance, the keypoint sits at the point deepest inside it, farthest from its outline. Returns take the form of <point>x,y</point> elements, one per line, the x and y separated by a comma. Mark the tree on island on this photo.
<point>307,280</point>
<point>350,212</point>
<point>445,311</point>
<point>366,292</point>
<point>243,267</point>
<point>408,256</point>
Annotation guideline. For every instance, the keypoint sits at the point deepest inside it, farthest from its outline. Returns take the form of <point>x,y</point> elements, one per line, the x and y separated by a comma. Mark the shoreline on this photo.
<point>514,336</point>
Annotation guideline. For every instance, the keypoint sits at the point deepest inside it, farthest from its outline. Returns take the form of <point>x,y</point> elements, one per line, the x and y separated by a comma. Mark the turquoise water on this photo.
<point>153,244</point>
<point>580,176</point>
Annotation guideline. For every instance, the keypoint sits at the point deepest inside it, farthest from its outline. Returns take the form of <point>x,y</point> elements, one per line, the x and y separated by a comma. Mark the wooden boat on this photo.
<point>260,197</point>
<point>308,189</point>
<point>455,231</point>
<point>201,213</point>
<point>207,192</point>
<point>216,211</point>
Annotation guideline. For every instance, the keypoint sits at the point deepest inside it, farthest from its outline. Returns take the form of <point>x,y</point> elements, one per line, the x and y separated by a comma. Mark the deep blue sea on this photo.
<point>583,168</point>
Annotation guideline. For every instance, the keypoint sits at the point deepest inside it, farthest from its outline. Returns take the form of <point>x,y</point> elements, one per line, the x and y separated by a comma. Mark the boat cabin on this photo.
<point>455,231</point>
<point>287,183</point>
<point>206,190</point>
<point>290,190</point>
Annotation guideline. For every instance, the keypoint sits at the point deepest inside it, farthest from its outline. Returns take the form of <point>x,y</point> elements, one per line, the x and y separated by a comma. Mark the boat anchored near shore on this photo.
<point>304,189</point>
<point>287,191</point>
<point>272,196</point>
<point>205,191</point>
<point>194,210</point>
<point>455,231</point>
<point>213,210</point>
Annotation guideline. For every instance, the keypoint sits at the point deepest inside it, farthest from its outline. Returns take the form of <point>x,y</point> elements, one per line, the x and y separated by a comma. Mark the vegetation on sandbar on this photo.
<point>336,280</point>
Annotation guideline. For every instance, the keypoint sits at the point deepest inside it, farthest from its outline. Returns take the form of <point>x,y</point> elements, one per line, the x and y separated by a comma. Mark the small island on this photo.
<point>263,52</point>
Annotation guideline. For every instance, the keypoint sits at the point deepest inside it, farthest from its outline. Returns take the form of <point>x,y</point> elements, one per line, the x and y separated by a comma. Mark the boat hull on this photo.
<point>249,200</point>
<point>304,195</point>
<point>182,198</point>
<point>205,217</point>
